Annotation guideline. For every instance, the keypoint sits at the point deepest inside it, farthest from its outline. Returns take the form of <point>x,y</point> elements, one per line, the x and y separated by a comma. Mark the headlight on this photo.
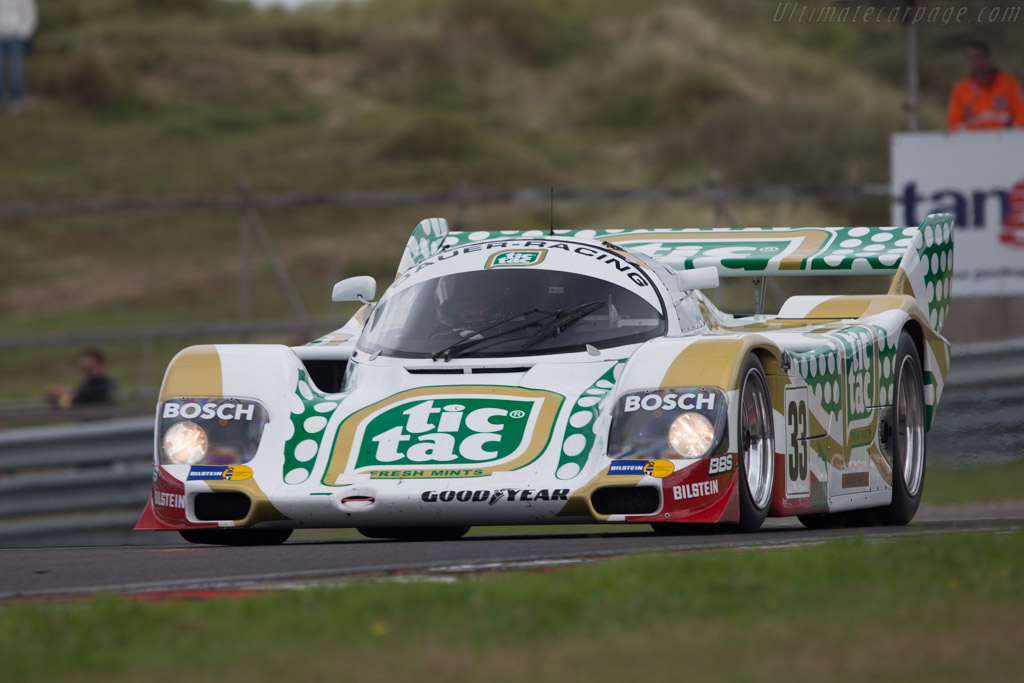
<point>691,435</point>
<point>669,424</point>
<point>185,443</point>
<point>220,431</point>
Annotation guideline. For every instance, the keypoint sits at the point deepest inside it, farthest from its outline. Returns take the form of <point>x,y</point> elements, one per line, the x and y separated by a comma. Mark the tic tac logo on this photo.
<point>516,257</point>
<point>454,430</point>
<point>704,400</point>
<point>208,411</point>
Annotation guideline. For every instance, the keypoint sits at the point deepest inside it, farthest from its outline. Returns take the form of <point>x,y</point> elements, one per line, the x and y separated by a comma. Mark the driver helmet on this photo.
<point>468,308</point>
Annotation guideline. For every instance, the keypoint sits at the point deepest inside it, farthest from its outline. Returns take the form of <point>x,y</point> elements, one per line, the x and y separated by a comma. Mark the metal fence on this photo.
<point>86,483</point>
<point>75,484</point>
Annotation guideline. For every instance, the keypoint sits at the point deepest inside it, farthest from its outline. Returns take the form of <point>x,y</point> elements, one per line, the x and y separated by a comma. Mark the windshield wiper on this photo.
<point>563,320</point>
<point>476,336</point>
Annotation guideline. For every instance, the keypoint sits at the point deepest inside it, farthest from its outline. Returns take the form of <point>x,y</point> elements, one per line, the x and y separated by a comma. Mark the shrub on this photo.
<point>90,81</point>
<point>535,32</point>
<point>410,68</point>
<point>435,135</point>
<point>650,93</point>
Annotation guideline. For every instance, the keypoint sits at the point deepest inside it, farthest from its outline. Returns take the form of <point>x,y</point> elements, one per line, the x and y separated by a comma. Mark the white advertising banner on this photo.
<point>979,178</point>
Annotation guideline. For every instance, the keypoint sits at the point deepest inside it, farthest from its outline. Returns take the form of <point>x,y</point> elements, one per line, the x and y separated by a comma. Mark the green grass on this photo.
<point>949,486</point>
<point>923,609</point>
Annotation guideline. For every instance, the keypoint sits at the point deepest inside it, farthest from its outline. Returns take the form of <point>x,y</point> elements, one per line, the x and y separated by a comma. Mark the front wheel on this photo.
<point>756,434</point>
<point>236,537</point>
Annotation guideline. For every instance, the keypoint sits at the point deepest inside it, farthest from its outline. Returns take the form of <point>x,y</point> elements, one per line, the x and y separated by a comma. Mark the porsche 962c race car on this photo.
<point>572,376</point>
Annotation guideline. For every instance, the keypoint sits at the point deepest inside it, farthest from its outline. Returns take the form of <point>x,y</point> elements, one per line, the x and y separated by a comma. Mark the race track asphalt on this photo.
<point>55,572</point>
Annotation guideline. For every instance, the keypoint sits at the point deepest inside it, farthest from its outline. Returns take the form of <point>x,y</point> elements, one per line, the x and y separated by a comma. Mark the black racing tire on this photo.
<point>910,434</point>
<point>237,537</point>
<point>756,447</point>
<point>415,533</point>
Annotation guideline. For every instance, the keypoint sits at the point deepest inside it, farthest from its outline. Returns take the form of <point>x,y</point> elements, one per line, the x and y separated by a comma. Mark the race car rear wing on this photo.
<point>919,259</point>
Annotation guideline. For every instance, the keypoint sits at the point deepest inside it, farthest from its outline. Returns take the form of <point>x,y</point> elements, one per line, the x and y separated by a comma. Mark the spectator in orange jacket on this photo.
<point>988,98</point>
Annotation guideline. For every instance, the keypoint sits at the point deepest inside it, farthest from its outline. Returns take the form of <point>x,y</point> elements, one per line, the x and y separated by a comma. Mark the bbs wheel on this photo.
<point>756,434</point>
<point>236,536</point>
<point>909,436</point>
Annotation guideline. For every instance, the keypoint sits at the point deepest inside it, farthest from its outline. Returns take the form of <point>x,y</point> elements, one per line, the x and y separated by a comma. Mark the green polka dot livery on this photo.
<point>580,429</point>
<point>309,410</point>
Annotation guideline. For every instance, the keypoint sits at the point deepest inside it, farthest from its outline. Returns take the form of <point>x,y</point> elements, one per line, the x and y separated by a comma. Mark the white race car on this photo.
<point>535,377</point>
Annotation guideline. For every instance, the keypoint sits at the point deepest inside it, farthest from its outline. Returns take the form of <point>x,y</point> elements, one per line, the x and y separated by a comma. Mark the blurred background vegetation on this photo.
<point>131,98</point>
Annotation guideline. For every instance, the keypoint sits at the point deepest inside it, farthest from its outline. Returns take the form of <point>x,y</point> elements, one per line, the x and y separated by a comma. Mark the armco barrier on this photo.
<point>76,484</point>
<point>86,483</point>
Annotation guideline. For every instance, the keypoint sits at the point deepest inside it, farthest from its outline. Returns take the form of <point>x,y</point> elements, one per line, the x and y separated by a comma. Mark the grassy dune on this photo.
<point>921,609</point>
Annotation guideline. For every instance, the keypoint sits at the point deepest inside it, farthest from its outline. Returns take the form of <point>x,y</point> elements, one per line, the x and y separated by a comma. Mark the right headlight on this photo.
<point>691,435</point>
<point>185,443</point>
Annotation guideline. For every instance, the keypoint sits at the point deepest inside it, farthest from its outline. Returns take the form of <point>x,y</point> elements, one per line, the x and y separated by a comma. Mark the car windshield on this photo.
<point>513,312</point>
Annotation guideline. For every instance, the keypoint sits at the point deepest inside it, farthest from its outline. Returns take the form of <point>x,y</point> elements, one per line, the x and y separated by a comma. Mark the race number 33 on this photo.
<point>798,482</point>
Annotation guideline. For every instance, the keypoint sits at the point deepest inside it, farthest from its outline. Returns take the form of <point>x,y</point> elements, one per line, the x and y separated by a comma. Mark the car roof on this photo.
<point>563,254</point>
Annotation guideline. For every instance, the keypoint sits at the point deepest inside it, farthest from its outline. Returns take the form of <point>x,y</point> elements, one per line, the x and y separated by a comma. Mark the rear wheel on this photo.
<point>909,436</point>
<point>416,533</point>
<point>908,450</point>
<point>756,433</point>
<point>236,536</point>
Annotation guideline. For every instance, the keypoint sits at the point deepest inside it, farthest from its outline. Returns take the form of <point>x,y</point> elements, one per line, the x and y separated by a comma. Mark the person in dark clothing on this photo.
<point>96,387</point>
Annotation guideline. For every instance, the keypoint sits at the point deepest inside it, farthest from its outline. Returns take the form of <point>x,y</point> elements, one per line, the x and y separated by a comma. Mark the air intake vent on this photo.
<point>327,375</point>
<point>213,507</point>
<point>626,501</point>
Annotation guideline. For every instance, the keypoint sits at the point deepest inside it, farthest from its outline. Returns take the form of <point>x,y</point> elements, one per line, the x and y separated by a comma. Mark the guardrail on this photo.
<point>76,484</point>
<point>87,483</point>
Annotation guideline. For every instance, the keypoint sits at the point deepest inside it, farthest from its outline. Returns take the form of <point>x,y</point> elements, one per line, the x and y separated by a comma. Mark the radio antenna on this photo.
<point>551,230</point>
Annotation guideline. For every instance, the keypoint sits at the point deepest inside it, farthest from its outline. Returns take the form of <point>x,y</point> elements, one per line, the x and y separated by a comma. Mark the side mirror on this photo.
<point>697,278</point>
<point>361,288</point>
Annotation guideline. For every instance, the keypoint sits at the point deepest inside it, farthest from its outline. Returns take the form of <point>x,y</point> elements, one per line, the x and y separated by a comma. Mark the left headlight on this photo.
<point>668,424</point>
<point>211,431</point>
<point>691,435</point>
